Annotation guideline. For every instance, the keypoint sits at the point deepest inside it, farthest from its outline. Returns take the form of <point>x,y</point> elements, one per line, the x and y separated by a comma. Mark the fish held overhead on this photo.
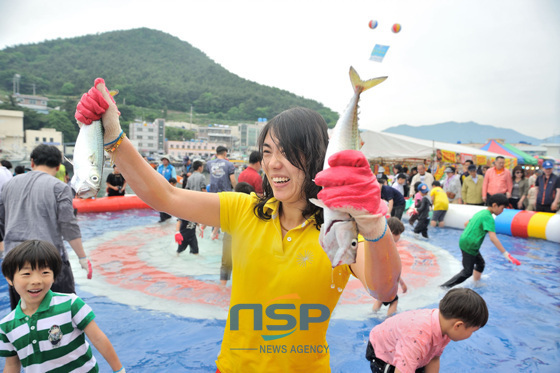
<point>339,232</point>
<point>88,160</point>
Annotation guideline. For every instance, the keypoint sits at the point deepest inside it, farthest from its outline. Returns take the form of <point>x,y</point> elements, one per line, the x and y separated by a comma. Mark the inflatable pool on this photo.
<point>511,222</point>
<point>106,204</point>
<point>164,313</point>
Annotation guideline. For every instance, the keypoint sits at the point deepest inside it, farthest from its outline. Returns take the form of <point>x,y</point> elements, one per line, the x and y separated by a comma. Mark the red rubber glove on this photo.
<point>511,258</point>
<point>92,104</point>
<point>350,186</point>
<point>178,238</point>
<point>86,264</point>
<point>96,104</point>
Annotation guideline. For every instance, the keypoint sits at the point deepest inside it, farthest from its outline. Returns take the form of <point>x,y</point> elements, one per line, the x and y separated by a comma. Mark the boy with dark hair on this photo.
<point>414,340</point>
<point>481,223</point>
<point>26,335</point>
<point>423,211</point>
<point>396,227</point>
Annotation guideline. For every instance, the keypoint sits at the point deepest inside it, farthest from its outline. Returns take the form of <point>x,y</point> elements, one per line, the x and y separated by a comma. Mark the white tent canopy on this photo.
<point>391,146</point>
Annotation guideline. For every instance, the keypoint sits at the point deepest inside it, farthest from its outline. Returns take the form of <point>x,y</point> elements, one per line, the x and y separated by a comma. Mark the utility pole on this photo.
<point>191,115</point>
<point>33,89</point>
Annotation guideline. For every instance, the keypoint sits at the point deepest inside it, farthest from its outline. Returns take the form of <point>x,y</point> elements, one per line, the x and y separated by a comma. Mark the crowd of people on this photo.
<point>271,244</point>
<point>533,190</point>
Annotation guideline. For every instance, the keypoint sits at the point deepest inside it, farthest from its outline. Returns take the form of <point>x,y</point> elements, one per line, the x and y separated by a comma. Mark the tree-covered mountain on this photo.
<point>150,69</point>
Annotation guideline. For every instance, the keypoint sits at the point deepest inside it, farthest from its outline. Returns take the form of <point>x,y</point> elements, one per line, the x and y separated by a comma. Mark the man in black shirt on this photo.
<point>115,183</point>
<point>395,200</point>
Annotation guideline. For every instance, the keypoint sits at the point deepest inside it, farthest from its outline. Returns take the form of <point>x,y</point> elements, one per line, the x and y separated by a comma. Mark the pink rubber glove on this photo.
<point>96,104</point>
<point>350,186</point>
<point>86,264</point>
<point>92,104</point>
<point>511,258</point>
<point>178,238</point>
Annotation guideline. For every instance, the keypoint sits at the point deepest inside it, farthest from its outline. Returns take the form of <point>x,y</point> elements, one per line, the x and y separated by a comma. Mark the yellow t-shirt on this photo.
<point>441,202</point>
<point>61,173</point>
<point>286,283</point>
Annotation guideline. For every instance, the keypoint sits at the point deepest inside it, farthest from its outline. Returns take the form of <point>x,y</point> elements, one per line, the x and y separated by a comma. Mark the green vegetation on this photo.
<point>157,76</point>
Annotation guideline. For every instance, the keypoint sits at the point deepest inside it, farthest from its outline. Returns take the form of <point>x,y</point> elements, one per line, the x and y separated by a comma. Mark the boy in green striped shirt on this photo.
<point>45,332</point>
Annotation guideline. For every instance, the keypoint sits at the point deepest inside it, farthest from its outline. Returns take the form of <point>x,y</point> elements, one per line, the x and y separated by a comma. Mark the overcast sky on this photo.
<point>493,62</point>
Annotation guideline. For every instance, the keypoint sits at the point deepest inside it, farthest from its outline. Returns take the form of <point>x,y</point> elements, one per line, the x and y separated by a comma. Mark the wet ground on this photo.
<point>167,313</point>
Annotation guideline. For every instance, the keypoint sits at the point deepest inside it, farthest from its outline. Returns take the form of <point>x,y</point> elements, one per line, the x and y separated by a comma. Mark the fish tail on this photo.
<point>360,85</point>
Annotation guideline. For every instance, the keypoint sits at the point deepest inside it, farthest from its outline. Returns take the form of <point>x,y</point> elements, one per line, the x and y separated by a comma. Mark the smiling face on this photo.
<point>285,179</point>
<point>32,285</point>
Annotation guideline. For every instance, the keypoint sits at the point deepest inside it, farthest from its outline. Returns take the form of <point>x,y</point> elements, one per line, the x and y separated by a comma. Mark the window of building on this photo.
<point>44,139</point>
<point>52,140</point>
<point>36,139</point>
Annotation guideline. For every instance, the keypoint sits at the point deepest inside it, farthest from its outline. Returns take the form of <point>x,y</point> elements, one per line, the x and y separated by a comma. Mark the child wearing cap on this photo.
<point>423,211</point>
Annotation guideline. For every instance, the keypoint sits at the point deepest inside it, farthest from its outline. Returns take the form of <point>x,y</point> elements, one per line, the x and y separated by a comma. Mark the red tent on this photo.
<point>495,147</point>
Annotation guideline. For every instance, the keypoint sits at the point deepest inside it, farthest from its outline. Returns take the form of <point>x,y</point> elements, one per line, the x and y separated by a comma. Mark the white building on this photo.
<point>149,136</point>
<point>37,103</point>
<point>249,136</point>
<point>48,136</point>
<point>11,135</point>
<point>193,148</point>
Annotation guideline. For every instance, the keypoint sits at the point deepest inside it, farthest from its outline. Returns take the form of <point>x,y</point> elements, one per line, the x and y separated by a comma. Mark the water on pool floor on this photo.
<point>167,313</point>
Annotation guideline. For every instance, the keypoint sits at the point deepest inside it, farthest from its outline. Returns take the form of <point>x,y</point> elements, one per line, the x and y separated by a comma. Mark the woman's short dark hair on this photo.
<point>465,305</point>
<point>517,168</point>
<point>39,254</point>
<point>302,136</point>
<point>46,155</point>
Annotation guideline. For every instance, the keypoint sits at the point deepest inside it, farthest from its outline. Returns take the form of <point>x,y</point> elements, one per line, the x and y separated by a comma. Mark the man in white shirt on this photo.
<point>422,176</point>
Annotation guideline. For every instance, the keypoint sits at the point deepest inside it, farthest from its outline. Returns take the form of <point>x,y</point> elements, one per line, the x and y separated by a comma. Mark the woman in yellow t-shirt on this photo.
<point>284,288</point>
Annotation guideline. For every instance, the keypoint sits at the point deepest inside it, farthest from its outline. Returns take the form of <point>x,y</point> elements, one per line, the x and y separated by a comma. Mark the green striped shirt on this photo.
<point>52,340</point>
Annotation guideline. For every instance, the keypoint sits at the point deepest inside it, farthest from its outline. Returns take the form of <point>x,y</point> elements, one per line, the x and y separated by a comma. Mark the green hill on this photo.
<point>151,69</point>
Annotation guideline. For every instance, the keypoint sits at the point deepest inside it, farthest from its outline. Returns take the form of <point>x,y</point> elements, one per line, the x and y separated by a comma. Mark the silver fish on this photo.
<point>339,232</point>
<point>88,160</point>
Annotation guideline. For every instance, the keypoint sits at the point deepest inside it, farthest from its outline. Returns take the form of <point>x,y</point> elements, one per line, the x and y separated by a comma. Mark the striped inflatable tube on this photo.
<point>515,223</point>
